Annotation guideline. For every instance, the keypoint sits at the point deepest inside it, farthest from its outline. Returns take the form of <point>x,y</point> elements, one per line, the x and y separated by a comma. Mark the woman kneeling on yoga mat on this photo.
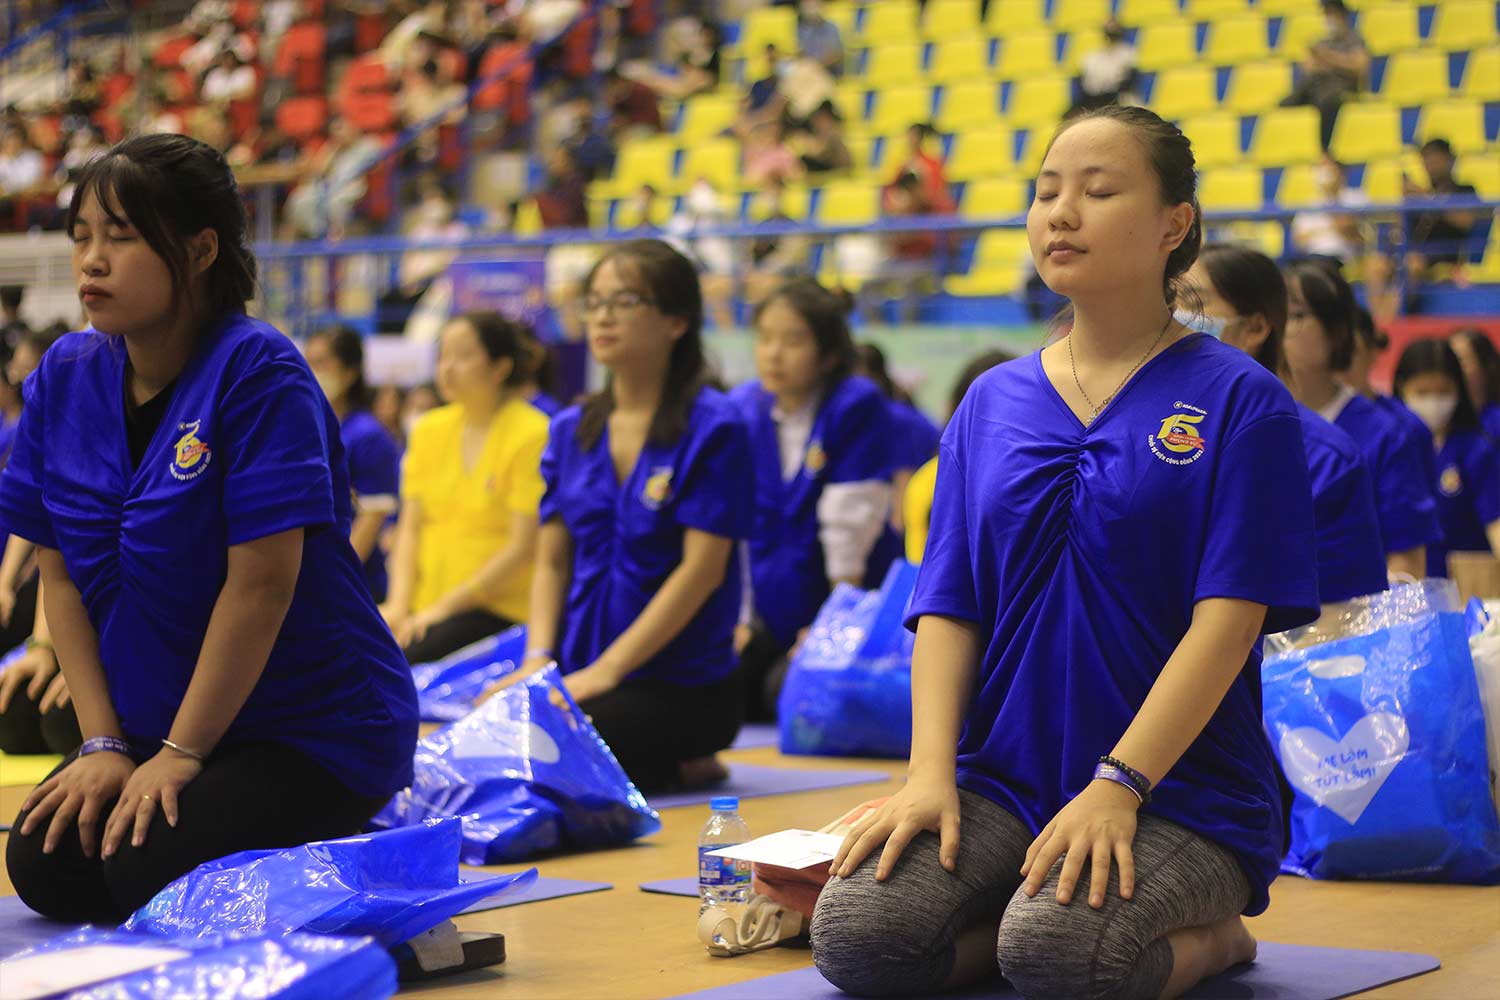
<point>182,476</point>
<point>1091,803</point>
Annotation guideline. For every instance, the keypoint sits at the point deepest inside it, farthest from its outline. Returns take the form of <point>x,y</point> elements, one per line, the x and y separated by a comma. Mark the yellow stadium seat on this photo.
<point>1415,77</point>
<point>1382,182</point>
<point>647,160</point>
<point>849,203</point>
<point>1285,136</point>
<point>996,269</point>
<point>1298,32</point>
<point>769,26</point>
<point>1025,54</point>
<point>1076,15</point>
<point>1282,8</point>
<point>984,152</point>
<point>960,59</point>
<point>1460,122</point>
<point>795,199</point>
<point>889,21</point>
<point>1215,138</point>
<point>706,115</point>
<point>628,213</point>
<point>1256,87</point>
<point>968,105</point>
<point>993,198</point>
<point>1039,102</point>
<point>1236,40</point>
<point>1267,237</point>
<point>1482,75</point>
<point>861,148</point>
<point>896,108</point>
<point>844,14</point>
<point>950,19</point>
<point>1215,10</point>
<point>1488,271</point>
<point>1080,43</point>
<point>1366,132</point>
<point>1483,172</point>
<point>849,98</point>
<point>1231,189</point>
<point>717,160</point>
<point>896,63</point>
<point>1006,17</point>
<point>1299,187</point>
<point>1168,43</point>
<point>1029,163</point>
<point>1463,25</point>
<point>1183,91</point>
<point>1389,28</point>
<point>1135,12</point>
<point>528,220</point>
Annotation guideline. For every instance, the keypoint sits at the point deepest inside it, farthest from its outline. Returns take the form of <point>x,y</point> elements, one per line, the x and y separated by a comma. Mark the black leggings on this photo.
<point>452,634</point>
<point>653,726</point>
<point>253,796</point>
<point>764,662</point>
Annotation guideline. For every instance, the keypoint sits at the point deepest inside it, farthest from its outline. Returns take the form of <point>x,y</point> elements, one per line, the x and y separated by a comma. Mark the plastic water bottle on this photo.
<point>722,880</point>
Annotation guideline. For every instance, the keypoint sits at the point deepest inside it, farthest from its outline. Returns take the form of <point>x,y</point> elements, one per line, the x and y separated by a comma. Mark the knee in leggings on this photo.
<point>1049,950</point>
<point>134,875</point>
<point>868,945</point>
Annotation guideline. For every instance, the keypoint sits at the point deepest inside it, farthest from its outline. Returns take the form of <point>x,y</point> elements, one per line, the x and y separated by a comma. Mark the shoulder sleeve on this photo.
<point>559,439</point>
<point>22,511</point>
<point>273,436</point>
<point>1261,540</point>
<point>945,581</point>
<point>717,491</point>
<point>1487,487</point>
<point>860,439</point>
<point>1403,494</point>
<point>374,468</point>
<point>523,472</point>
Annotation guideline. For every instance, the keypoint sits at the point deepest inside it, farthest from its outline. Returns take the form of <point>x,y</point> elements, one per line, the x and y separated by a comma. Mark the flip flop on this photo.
<point>739,929</point>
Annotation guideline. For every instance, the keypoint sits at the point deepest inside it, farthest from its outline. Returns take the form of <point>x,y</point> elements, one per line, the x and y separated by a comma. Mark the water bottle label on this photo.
<point>722,872</point>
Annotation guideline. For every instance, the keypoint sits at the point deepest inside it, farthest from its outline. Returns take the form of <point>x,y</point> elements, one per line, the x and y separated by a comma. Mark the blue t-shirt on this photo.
<point>247,448</point>
<point>547,403</point>
<point>1080,554</point>
<point>8,429</point>
<point>628,538</point>
<point>1419,433</point>
<point>1351,558</point>
<point>1468,496</point>
<point>1489,419</point>
<point>916,437</point>
<point>1403,491</point>
<point>375,475</point>
<point>850,442</point>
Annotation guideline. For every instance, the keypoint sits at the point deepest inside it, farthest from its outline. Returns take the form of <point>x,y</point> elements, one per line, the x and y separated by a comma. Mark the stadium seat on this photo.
<point>1230,189</point>
<point>898,107</point>
<point>795,202</point>
<point>1298,187</point>
<point>718,160</point>
<point>860,148</point>
<point>984,152</point>
<point>845,15</point>
<point>768,26</point>
<point>1416,77</point>
<point>993,198</point>
<point>945,19</point>
<point>1077,15</point>
<point>1235,40</point>
<point>1482,74</point>
<point>1463,25</point>
<point>706,115</point>
<point>1080,43</point>
<point>968,105</point>
<point>1389,28</point>
<point>849,98</point>
<point>1298,32</point>
<point>960,59</point>
<point>528,221</point>
<point>1267,237</point>
<point>1284,136</point>
<point>1215,138</point>
<point>848,203</point>
<point>1216,10</point>
<point>996,269</point>
<point>1366,132</point>
<point>1025,54</point>
<point>301,118</point>
<point>1282,8</point>
<point>1183,91</point>
<point>1460,122</point>
<point>1134,12</point>
<point>889,21</point>
<point>1039,102</point>
<point>628,214</point>
<point>1483,172</point>
<point>1006,17</point>
<point>647,160</point>
<point>1168,43</point>
<point>1382,181</point>
<point>896,63</point>
<point>1256,87</point>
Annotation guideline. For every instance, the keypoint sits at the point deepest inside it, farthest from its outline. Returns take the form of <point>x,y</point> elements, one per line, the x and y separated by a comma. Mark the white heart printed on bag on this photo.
<point>1345,775</point>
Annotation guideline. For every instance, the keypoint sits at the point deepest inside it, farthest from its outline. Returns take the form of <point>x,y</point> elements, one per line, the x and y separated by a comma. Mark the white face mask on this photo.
<point>1435,411</point>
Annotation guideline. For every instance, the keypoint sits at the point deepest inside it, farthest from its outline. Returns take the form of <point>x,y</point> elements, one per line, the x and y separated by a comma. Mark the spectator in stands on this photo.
<point>84,147</point>
<point>82,97</point>
<point>431,218</point>
<point>1107,75</point>
<point>562,202</point>
<point>818,38</point>
<point>634,108</point>
<point>1369,343</point>
<point>1481,365</point>
<point>927,165</point>
<point>697,66</point>
<point>764,101</point>
<point>562,205</point>
<point>774,259</point>
<point>22,169</point>
<point>12,327</point>
<point>702,208</point>
<point>423,94</point>
<point>807,86</point>
<point>324,205</point>
<point>398,45</point>
<point>229,79</point>
<point>387,405</point>
<point>1334,69</point>
<point>591,146</point>
<point>1438,237</point>
<point>1323,231</point>
<point>157,118</point>
<point>909,270</point>
<point>823,147</point>
<point>768,158</point>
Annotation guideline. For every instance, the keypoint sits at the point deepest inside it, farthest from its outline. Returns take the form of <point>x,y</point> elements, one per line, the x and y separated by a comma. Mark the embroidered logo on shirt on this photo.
<point>1451,482</point>
<point>658,488</point>
<point>816,458</point>
<point>191,456</point>
<point>1180,435</point>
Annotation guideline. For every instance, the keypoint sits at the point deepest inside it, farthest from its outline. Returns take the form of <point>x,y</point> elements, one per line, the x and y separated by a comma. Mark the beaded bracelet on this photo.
<point>1108,772</point>
<point>1139,781</point>
<point>105,744</point>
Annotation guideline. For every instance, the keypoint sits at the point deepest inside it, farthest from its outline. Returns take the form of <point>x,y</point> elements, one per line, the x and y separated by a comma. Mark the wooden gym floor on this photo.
<point>625,944</point>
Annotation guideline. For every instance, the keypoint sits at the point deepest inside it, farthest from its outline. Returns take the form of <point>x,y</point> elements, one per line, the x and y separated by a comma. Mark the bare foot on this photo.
<point>1234,943</point>
<point>701,772</point>
<point>1201,952</point>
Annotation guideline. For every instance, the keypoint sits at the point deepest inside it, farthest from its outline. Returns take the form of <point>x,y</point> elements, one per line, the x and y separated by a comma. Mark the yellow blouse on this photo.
<point>916,509</point>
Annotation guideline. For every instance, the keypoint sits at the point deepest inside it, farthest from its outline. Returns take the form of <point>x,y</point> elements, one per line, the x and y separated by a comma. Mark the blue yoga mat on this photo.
<point>1281,972</point>
<point>21,929</point>
<point>749,781</point>
<point>673,887</point>
<point>754,735</point>
<point>542,888</point>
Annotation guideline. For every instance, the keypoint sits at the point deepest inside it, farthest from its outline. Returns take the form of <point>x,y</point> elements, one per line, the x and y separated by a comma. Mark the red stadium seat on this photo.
<point>374,112</point>
<point>303,57</point>
<point>302,117</point>
<point>169,54</point>
<point>369,32</point>
<point>510,91</point>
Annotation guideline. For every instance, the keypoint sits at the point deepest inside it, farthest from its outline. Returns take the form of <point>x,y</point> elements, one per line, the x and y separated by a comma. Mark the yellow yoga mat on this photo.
<point>26,769</point>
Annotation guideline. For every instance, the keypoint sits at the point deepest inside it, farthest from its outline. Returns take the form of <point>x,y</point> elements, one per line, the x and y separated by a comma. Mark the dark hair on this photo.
<point>541,368</point>
<point>1433,354</point>
<point>11,295</point>
<point>1171,157</point>
<point>671,282</point>
<point>1336,6</point>
<point>1438,146</point>
<point>1331,301</point>
<point>870,362</point>
<point>1368,333</point>
<point>42,340</point>
<point>170,188</point>
<point>1489,362</point>
<point>977,366</point>
<point>1252,284</point>
<point>503,338</point>
<point>826,315</point>
<point>349,348</point>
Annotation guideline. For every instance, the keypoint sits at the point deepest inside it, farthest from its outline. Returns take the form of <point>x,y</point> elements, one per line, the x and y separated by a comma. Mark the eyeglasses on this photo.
<point>614,304</point>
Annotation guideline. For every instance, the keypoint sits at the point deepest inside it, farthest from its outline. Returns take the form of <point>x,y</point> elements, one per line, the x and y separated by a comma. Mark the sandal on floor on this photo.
<point>754,926</point>
<point>445,950</point>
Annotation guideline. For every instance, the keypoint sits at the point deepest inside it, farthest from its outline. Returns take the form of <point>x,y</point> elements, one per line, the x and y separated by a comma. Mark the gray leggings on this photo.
<point>898,937</point>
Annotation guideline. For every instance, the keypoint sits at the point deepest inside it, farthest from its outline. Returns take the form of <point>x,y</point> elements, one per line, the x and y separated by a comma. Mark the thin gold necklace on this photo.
<point>1107,399</point>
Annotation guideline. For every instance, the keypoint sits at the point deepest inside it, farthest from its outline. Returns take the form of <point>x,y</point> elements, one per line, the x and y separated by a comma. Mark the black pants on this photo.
<point>23,617</point>
<point>1325,91</point>
<point>764,663</point>
<point>253,796</point>
<point>452,634</point>
<point>653,726</point>
<point>25,728</point>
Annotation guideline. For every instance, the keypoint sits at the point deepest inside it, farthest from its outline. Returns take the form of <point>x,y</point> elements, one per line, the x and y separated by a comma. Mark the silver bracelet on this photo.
<point>184,750</point>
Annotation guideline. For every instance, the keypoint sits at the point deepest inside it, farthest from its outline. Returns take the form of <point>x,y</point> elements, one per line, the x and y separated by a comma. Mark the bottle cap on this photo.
<point>724,803</point>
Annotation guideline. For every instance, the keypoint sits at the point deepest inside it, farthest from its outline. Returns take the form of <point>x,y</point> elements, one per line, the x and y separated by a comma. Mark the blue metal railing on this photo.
<point>57,23</point>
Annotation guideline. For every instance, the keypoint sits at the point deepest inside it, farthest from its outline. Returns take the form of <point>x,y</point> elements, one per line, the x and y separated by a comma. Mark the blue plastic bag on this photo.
<point>390,886</point>
<point>1381,735</point>
<point>295,967</point>
<point>447,688</point>
<point>528,774</point>
<point>848,689</point>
